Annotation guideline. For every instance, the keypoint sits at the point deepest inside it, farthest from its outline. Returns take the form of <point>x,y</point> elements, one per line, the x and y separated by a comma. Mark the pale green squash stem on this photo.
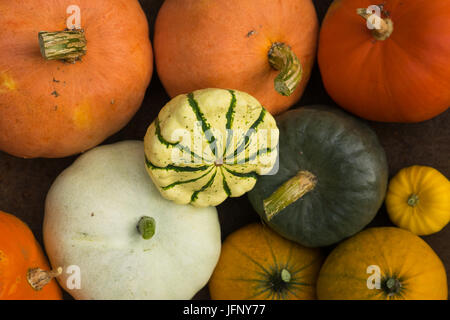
<point>285,276</point>
<point>413,200</point>
<point>392,286</point>
<point>289,192</point>
<point>147,227</point>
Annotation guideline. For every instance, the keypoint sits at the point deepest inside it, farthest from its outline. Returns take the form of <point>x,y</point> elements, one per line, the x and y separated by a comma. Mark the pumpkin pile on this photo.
<point>138,219</point>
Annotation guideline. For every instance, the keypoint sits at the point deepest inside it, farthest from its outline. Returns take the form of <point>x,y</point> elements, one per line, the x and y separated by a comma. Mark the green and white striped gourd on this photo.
<point>209,145</point>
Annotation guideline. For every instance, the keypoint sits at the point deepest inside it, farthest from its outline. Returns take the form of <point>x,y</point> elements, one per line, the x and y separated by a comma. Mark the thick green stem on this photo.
<point>147,227</point>
<point>382,31</point>
<point>62,45</point>
<point>289,192</point>
<point>413,200</point>
<point>282,58</point>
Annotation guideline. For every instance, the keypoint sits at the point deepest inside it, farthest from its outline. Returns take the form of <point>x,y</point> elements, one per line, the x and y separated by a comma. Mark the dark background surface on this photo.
<point>24,183</point>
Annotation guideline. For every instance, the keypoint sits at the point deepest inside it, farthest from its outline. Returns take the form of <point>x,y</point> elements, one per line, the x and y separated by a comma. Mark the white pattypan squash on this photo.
<point>104,215</point>
<point>210,144</point>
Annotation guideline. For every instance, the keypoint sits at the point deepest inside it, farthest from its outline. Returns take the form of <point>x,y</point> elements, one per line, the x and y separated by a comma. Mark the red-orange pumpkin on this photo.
<point>52,108</point>
<point>237,44</point>
<point>399,73</point>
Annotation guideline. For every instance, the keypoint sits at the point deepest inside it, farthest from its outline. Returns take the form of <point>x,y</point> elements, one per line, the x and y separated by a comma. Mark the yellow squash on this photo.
<point>256,263</point>
<point>383,264</point>
<point>418,199</point>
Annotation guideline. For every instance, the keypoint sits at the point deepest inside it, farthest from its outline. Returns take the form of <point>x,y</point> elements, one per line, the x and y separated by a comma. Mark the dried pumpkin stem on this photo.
<point>67,45</point>
<point>38,278</point>
<point>147,227</point>
<point>282,58</point>
<point>289,192</point>
<point>381,31</point>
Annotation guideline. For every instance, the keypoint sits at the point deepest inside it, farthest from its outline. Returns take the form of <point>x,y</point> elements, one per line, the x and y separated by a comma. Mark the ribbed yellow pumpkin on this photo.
<point>418,199</point>
<point>257,264</point>
<point>383,264</point>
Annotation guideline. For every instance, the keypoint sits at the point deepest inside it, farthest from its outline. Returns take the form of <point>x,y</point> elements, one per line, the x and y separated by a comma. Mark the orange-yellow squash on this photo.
<point>256,263</point>
<point>87,87</point>
<point>418,199</point>
<point>21,261</point>
<point>383,264</point>
<point>236,44</point>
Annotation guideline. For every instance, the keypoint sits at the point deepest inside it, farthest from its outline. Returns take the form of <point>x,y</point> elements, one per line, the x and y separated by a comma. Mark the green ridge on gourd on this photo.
<point>208,145</point>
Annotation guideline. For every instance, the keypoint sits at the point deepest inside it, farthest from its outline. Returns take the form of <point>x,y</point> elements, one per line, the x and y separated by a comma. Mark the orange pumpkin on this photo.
<point>397,72</point>
<point>55,108</point>
<point>256,263</point>
<point>265,48</point>
<point>24,269</point>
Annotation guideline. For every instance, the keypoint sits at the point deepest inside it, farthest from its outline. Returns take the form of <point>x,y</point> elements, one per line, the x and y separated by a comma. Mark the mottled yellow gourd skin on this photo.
<point>428,193</point>
<point>399,254</point>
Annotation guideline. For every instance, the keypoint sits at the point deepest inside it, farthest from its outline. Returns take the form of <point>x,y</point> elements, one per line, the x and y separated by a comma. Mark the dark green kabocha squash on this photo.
<point>331,181</point>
